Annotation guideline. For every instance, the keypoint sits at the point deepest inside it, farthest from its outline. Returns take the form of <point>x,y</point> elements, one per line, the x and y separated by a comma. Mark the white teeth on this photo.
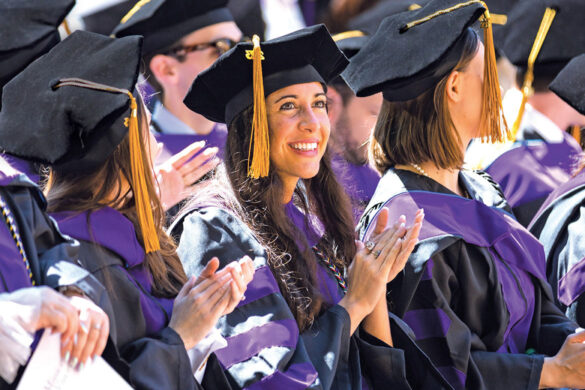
<point>305,146</point>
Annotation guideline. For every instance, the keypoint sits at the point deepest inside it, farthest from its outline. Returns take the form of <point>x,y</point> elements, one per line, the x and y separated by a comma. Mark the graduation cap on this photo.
<point>28,29</point>
<point>569,84</point>
<point>412,51</point>
<point>541,36</point>
<point>369,20</point>
<point>350,42</point>
<point>83,109</point>
<point>249,72</point>
<point>164,22</point>
<point>106,19</point>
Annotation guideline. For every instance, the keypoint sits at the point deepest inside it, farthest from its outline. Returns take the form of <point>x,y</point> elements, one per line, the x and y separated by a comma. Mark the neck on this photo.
<point>288,188</point>
<point>448,178</point>
<point>198,123</point>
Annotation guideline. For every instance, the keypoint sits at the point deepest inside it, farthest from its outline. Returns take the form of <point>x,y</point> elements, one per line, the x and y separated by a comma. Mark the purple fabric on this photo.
<point>262,284</point>
<point>112,230</point>
<point>309,10</point>
<point>359,182</point>
<point>12,268</point>
<point>571,284</point>
<point>418,320</point>
<point>309,229</point>
<point>453,375</point>
<point>328,285</point>
<point>298,376</point>
<point>575,182</point>
<point>534,169</point>
<point>174,143</point>
<point>488,228</point>
<point>22,166</point>
<point>241,347</point>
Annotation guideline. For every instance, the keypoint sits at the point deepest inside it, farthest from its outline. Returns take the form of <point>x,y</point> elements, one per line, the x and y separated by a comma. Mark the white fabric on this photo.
<point>169,123</point>
<point>16,336</point>
<point>199,354</point>
<point>281,17</point>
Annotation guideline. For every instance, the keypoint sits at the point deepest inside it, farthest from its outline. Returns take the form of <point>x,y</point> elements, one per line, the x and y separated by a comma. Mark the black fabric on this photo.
<point>213,232</point>
<point>230,78</point>
<point>570,83</point>
<point>370,19</point>
<point>106,19</point>
<point>350,46</point>
<point>164,22</point>
<point>248,16</point>
<point>29,28</point>
<point>404,63</point>
<point>73,128</point>
<point>565,38</point>
<point>465,286</point>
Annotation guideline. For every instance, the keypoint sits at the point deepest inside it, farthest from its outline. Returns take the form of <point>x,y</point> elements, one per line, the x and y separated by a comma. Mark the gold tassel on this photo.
<point>527,89</point>
<point>259,150</point>
<point>348,34</point>
<point>66,27</point>
<point>576,133</point>
<point>137,157</point>
<point>492,110</point>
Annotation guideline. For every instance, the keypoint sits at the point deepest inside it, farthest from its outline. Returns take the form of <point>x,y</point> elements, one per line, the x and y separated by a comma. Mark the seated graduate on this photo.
<point>352,120</point>
<point>474,290</point>
<point>279,202</point>
<point>93,133</point>
<point>29,29</point>
<point>559,223</point>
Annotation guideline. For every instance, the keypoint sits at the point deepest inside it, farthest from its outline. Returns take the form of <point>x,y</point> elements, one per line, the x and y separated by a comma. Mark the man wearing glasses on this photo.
<point>181,39</point>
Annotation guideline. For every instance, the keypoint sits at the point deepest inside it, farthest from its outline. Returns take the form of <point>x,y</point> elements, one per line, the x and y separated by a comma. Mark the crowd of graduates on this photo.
<point>278,194</point>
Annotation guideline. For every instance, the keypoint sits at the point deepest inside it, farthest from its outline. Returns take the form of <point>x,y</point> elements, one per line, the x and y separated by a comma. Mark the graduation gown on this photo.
<point>474,290</point>
<point>265,347</point>
<point>154,353</point>
<point>359,182</point>
<point>532,169</point>
<point>559,227</point>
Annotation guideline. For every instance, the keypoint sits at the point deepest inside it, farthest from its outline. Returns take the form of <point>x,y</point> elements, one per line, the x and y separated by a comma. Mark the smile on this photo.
<point>305,147</point>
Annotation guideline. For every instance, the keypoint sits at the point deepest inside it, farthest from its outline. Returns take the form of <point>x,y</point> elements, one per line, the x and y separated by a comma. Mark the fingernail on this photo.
<point>210,151</point>
<point>73,362</point>
<point>81,366</point>
<point>67,356</point>
<point>402,225</point>
<point>84,327</point>
<point>403,216</point>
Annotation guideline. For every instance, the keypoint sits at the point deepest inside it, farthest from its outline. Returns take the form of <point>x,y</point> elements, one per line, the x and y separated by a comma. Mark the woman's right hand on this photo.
<point>370,271</point>
<point>204,299</point>
<point>567,367</point>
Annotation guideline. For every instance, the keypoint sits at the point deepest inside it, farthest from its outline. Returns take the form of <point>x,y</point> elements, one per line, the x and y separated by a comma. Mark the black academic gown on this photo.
<point>265,348</point>
<point>474,289</point>
<point>52,257</point>
<point>153,355</point>
<point>559,225</point>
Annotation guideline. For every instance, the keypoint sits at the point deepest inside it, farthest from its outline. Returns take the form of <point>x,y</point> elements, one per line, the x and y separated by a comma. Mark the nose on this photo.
<point>309,121</point>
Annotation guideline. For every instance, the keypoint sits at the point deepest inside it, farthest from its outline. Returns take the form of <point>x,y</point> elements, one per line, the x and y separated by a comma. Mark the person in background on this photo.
<point>92,131</point>
<point>302,324</point>
<point>559,222</point>
<point>539,38</point>
<point>474,290</point>
<point>352,120</point>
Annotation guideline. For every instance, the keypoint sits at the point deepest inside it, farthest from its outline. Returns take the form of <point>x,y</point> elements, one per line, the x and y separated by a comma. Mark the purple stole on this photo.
<point>113,231</point>
<point>174,143</point>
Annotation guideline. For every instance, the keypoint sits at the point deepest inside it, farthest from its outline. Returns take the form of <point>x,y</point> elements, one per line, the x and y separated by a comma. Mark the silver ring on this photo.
<point>243,298</point>
<point>96,326</point>
<point>370,245</point>
<point>377,253</point>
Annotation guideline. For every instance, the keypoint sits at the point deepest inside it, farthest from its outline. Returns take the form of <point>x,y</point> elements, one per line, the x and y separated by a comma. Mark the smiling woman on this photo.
<point>303,324</point>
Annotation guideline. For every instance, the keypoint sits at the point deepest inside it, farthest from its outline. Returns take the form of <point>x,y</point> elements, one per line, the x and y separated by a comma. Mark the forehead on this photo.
<point>214,31</point>
<point>299,90</point>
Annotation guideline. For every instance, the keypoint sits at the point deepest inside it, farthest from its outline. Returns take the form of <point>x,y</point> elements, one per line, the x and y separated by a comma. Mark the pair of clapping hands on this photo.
<point>209,296</point>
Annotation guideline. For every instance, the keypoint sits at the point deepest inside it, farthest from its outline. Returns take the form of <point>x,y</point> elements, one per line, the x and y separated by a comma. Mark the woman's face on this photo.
<point>299,130</point>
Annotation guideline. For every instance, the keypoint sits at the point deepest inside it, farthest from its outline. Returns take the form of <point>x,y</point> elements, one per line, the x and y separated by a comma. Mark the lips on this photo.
<point>304,146</point>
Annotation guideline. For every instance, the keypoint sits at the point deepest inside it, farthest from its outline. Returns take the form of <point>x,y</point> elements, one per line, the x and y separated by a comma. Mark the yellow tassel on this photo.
<point>348,34</point>
<point>494,126</point>
<point>66,27</point>
<point>259,151</point>
<point>137,158</point>
<point>576,133</point>
<point>527,90</point>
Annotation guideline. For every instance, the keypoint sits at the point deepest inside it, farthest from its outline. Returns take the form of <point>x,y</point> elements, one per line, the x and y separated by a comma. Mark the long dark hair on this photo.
<point>258,202</point>
<point>91,191</point>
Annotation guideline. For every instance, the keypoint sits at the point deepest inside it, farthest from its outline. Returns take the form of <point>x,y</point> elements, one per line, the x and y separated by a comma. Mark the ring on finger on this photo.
<point>96,326</point>
<point>370,245</point>
<point>243,298</point>
<point>377,253</point>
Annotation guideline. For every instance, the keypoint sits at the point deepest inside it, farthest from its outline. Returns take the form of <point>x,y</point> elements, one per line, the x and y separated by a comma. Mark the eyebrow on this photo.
<point>296,97</point>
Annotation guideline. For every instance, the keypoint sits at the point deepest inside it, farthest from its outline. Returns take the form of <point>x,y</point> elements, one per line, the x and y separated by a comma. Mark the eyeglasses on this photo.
<point>221,45</point>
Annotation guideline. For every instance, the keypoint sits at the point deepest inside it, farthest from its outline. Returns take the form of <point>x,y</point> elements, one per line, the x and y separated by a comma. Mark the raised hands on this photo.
<point>204,299</point>
<point>178,174</point>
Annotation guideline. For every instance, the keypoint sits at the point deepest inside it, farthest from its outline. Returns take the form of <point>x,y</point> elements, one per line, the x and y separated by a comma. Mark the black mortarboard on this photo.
<point>412,51</point>
<point>225,89</point>
<point>570,83</point>
<point>49,125</point>
<point>240,78</point>
<point>350,42</point>
<point>369,20</point>
<point>73,106</point>
<point>28,29</point>
<point>164,22</point>
<point>106,19</point>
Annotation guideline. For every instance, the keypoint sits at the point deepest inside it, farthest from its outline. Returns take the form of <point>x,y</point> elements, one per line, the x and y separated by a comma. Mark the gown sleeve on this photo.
<point>265,348</point>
